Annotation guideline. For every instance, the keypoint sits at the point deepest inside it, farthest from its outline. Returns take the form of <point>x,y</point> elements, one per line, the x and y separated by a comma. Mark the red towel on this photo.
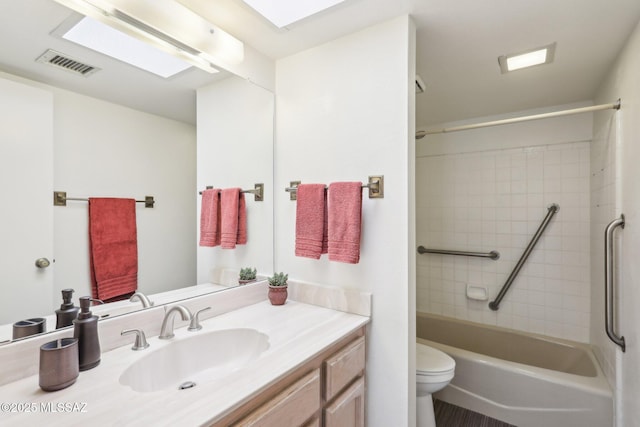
<point>230,212</point>
<point>242,221</point>
<point>210,218</point>
<point>345,211</point>
<point>311,221</point>
<point>113,256</point>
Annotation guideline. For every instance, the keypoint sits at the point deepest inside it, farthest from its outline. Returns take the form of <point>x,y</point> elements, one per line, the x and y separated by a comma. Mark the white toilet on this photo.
<point>434,371</point>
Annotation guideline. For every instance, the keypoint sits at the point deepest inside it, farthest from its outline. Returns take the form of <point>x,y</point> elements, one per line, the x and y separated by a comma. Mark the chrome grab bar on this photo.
<point>609,279</point>
<point>494,255</point>
<point>551,211</point>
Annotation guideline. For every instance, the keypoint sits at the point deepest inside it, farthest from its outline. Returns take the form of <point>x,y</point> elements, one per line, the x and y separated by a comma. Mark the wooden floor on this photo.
<point>448,415</point>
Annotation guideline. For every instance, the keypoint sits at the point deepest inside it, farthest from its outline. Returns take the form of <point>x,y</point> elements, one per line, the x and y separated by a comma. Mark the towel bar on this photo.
<point>60,199</point>
<point>375,186</point>
<point>258,191</point>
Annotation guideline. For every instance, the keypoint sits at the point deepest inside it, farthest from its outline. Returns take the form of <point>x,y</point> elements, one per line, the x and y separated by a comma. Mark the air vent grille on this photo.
<point>60,60</point>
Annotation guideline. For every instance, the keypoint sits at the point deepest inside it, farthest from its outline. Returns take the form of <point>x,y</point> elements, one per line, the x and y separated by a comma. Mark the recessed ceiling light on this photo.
<point>284,12</point>
<point>116,44</point>
<point>537,56</point>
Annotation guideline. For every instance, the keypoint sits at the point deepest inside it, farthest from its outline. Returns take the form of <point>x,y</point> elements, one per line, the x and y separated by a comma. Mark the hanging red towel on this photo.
<point>311,220</point>
<point>345,212</point>
<point>210,218</point>
<point>232,226</point>
<point>242,220</point>
<point>113,248</point>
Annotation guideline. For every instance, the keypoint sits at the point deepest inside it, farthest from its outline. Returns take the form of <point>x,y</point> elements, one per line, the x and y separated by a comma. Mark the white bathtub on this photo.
<point>524,379</point>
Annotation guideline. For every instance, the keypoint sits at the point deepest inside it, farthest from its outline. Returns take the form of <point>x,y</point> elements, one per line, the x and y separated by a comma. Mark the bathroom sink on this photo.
<point>195,359</point>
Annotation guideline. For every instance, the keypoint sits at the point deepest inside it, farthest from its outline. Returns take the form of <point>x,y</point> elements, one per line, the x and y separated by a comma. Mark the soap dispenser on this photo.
<point>67,312</point>
<point>85,329</point>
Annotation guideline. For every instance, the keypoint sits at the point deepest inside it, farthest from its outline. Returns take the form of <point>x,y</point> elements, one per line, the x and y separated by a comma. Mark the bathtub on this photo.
<point>524,379</point>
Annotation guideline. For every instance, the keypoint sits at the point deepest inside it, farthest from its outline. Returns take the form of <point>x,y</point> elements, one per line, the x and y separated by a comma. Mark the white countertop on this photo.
<point>296,332</point>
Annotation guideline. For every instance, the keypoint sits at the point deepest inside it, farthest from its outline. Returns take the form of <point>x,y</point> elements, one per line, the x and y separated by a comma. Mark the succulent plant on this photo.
<point>278,279</point>
<point>247,273</point>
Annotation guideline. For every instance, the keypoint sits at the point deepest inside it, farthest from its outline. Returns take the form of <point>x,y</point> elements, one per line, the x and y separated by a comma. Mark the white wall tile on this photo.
<point>551,293</point>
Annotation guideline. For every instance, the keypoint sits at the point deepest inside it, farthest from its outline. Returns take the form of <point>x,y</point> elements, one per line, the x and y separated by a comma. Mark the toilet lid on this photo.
<point>431,360</point>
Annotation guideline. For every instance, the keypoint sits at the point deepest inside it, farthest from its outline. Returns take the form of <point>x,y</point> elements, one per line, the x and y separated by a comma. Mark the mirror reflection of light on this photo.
<point>109,41</point>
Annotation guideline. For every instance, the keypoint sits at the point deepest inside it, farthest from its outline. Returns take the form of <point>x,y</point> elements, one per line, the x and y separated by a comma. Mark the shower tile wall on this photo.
<point>495,200</point>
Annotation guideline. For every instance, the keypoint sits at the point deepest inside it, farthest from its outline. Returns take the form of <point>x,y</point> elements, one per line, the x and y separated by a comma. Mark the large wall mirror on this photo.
<point>122,132</point>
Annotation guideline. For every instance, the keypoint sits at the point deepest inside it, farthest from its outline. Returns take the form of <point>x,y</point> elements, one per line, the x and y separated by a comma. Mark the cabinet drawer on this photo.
<point>343,367</point>
<point>348,409</point>
<point>291,407</point>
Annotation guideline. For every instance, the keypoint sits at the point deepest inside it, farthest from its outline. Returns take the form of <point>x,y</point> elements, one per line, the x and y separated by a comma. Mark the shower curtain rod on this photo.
<point>614,106</point>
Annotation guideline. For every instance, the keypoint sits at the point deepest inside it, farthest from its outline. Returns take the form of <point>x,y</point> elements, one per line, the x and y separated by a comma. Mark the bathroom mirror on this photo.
<point>169,270</point>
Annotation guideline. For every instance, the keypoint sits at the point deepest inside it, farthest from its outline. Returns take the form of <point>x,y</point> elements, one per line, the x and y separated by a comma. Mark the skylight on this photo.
<point>538,56</point>
<point>109,41</point>
<point>284,12</point>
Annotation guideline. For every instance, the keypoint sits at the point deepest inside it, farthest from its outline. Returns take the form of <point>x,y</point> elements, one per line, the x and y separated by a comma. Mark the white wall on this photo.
<point>489,189</point>
<point>344,112</point>
<point>106,150</point>
<point>617,151</point>
<point>235,149</point>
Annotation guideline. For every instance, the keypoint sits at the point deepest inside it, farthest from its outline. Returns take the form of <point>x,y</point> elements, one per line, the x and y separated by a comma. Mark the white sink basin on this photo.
<point>205,356</point>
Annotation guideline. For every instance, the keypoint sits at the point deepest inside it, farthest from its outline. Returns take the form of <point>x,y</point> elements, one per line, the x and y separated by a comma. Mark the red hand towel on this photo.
<point>311,221</point>
<point>242,221</point>
<point>113,248</point>
<point>230,203</point>
<point>345,211</point>
<point>210,218</point>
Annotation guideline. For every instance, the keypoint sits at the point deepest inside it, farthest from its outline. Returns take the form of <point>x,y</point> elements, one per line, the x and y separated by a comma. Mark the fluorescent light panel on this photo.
<point>102,38</point>
<point>169,26</point>
<point>285,12</point>
<point>538,56</point>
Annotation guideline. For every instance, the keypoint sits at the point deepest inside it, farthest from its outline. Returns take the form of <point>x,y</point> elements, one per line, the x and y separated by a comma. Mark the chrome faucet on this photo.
<point>143,299</point>
<point>166,331</point>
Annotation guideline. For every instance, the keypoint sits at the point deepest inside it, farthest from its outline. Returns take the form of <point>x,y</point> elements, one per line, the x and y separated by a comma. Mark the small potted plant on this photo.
<point>278,288</point>
<point>247,275</point>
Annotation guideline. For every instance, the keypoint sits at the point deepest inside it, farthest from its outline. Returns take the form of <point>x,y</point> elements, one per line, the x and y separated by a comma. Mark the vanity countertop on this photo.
<point>296,331</point>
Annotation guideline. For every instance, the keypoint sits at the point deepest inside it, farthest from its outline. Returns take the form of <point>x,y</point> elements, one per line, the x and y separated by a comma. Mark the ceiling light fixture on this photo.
<point>169,26</point>
<point>283,13</point>
<point>530,58</point>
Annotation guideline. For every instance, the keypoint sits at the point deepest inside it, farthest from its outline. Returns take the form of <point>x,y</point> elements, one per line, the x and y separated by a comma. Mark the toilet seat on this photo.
<point>433,365</point>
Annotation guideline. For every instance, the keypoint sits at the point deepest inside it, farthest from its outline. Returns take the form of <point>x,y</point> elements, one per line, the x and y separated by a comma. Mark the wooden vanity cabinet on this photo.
<point>327,391</point>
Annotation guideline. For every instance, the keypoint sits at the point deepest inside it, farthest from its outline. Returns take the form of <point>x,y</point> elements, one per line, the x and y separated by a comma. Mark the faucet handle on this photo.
<point>195,320</point>
<point>141,340</point>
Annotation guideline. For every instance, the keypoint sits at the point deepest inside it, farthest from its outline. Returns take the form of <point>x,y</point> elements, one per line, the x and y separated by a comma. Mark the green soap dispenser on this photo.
<point>85,329</point>
<point>67,312</point>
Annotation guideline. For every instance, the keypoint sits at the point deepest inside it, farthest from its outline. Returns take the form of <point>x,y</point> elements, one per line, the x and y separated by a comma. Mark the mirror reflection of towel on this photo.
<point>210,218</point>
<point>113,248</point>
<point>233,224</point>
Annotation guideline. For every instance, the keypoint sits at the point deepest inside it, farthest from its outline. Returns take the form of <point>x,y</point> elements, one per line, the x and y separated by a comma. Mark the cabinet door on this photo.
<point>291,407</point>
<point>26,219</point>
<point>343,367</point>
<point>348,408</point>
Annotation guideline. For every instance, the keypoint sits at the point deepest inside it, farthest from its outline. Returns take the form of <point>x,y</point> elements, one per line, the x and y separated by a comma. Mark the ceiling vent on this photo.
<point>60,60</point>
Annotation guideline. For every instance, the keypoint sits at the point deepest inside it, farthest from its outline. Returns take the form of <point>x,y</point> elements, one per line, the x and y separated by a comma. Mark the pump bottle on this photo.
<point>67,312</point>
<point>85,329</point>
